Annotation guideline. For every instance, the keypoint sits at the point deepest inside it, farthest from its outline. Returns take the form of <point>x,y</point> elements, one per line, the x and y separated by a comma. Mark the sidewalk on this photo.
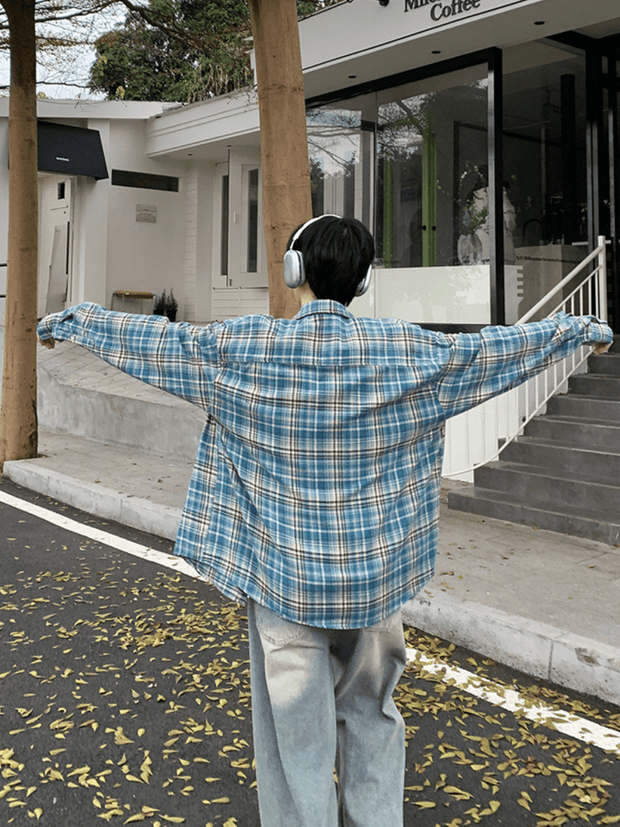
<point>544,603</point>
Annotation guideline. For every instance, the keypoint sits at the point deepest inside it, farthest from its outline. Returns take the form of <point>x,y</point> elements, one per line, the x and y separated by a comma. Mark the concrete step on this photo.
<point>564,473</point>
<point>608,363</point>
<point>540,487</point>
<point>566,461</point>
<point>594,525</point>
<point>575,433</point>
<point>585,407</point>
<point>615,345</point>
<point>600,385</point>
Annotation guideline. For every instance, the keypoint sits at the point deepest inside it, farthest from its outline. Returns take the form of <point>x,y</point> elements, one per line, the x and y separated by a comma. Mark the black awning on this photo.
<point>70,149</point>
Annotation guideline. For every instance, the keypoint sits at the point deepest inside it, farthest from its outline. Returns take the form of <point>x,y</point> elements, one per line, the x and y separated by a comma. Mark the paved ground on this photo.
<point>125,697</point>
<point>124,685</point>
<point>545,603</point>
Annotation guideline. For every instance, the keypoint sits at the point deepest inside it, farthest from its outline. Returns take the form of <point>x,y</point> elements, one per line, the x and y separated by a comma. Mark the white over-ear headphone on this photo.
<point>294,272</point>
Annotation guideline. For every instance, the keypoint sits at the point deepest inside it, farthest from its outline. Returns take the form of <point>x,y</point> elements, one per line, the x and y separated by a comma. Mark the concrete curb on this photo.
<point>535,648</point>
<point>136,512</point>
<point>532,647</point>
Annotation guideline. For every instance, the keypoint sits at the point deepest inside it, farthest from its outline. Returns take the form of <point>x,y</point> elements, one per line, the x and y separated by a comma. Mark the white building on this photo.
<point>412,103</point>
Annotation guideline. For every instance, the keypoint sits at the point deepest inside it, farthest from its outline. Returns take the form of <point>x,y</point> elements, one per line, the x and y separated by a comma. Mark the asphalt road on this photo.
<point>125,698</point>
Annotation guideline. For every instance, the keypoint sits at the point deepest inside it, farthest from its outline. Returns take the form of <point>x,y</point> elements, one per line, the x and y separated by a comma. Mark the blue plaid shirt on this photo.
<point>315,489</point>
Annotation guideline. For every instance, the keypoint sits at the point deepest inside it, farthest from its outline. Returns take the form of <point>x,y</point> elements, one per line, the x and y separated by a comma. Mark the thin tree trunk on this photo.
<point>18,417</point>
<point>284,141</point>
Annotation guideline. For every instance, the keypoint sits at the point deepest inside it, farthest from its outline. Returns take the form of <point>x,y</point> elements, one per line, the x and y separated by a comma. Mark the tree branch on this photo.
<point>170,27</point>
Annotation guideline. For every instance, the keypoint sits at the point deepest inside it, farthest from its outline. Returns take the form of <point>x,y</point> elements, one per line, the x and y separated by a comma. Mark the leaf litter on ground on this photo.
<point>130,696</point>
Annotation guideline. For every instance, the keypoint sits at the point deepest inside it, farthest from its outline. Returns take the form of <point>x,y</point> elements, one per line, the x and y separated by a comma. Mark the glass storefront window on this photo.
<point>432,156</point>
<point>545,167</point>
<point>609,179</point>
<point>341,144</point>
<point>608,157</point>
<point>409,162</point>
<point>432,204</point>
<point>412,162</point>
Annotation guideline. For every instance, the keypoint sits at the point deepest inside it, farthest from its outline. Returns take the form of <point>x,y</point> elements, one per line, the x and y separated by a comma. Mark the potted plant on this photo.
<point>171,307</point>
<point>166,306</point>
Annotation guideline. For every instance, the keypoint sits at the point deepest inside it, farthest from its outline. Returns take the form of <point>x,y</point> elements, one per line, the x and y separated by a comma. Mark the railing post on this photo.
<point>602,279</point>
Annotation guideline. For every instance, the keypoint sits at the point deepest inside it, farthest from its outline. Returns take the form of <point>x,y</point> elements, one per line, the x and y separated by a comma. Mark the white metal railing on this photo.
<point>483,433</point>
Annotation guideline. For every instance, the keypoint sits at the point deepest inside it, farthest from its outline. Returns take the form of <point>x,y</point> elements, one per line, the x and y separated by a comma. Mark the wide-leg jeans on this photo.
<point>322,700</point>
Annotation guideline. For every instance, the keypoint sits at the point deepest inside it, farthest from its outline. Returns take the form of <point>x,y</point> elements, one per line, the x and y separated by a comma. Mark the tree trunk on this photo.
<point>18,417</point>
<point>283,137</point>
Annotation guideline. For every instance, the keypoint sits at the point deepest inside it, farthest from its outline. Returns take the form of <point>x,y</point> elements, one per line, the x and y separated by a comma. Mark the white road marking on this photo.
<point>565,722</point>
<point>99,536</point>
<point>495,693</point>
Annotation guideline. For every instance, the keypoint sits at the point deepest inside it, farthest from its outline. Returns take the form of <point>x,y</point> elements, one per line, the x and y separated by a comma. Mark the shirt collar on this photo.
<point>324,306</point>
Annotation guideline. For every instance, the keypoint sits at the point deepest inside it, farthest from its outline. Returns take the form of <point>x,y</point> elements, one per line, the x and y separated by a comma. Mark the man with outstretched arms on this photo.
<point>314,499</point>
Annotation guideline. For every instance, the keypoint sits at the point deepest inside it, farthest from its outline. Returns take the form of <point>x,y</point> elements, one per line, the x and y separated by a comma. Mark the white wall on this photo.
<point>143,256</point>
<point>91,241</point>
<point>230,302</point>
<point>188,309</point>
<point>113,251</point>
<point>198,242</point>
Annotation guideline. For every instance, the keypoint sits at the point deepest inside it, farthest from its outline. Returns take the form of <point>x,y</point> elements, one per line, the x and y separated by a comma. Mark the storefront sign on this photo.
<point>373,27</point>
<point>443,9</point>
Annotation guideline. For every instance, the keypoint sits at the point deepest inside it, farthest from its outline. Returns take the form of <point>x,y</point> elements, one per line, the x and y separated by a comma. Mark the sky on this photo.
<point>77,71</point>
<point>61,76</point>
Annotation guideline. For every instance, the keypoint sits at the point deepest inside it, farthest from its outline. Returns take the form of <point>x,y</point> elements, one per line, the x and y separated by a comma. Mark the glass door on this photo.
<point>546,166</point>
<point>614,155</point>
<point>432,221</point>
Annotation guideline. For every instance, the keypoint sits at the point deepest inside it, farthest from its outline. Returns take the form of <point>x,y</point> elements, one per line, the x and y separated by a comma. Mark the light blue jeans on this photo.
<point>322,699</point>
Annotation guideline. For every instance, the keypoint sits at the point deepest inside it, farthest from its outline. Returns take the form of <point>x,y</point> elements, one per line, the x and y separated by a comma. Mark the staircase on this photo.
<point>563,474</point>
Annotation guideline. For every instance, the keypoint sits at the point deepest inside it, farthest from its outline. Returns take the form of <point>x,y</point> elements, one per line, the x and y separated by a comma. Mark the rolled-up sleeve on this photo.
<point>179,358</point>
<point>483,365</point>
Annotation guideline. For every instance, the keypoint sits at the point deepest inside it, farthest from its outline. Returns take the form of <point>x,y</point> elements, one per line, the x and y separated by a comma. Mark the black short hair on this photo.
<point>337,253</point>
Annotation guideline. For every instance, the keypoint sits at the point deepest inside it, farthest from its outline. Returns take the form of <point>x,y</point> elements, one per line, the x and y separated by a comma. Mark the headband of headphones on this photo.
<point>294,271</point>
<point>308,223</point>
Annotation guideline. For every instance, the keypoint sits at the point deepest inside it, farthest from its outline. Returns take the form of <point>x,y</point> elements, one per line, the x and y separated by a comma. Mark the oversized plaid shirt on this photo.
<point>315,489</point>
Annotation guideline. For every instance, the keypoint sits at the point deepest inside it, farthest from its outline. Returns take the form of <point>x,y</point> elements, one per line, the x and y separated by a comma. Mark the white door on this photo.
<point>247,256</point>
<point>56,194</point>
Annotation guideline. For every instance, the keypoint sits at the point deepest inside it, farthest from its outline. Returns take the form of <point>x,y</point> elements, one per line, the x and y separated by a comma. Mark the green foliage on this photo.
<point>305,7</point>
<point>179,50</point>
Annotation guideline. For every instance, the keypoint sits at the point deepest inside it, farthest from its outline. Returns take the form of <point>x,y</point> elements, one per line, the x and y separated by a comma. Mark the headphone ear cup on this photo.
<point>294,275</point>
<point>363,286</point>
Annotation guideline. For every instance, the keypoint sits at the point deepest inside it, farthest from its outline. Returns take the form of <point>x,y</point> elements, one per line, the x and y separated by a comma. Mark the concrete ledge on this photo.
<point>154,422</point>
<point>534,648</point>
<point>161,520</point>
<point>587,666</point>
<point>515,641</point>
